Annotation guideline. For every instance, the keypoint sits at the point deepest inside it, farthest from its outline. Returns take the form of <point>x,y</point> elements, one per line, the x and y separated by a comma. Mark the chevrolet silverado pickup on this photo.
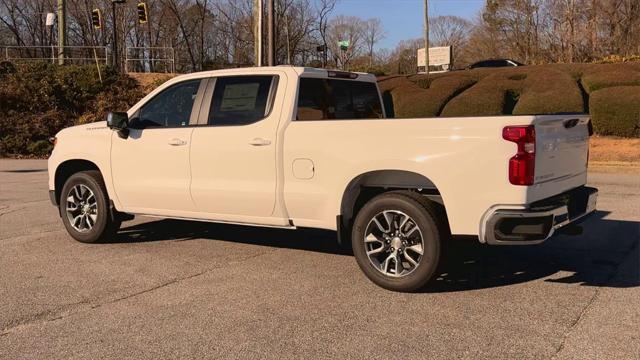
<point>296,147</point>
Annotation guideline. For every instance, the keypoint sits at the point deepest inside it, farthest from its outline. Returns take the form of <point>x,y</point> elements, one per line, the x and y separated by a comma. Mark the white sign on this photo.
<point>438,56</point>
<point>51,18</point>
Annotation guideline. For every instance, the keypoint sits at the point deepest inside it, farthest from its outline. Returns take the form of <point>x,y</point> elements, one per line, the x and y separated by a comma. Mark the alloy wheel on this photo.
<point>394,243</point>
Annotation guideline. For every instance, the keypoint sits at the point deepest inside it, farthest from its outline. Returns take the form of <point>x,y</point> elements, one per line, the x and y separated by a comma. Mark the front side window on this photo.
<point>331,99</point>
<point>170,108</point>
<point>240,100</point>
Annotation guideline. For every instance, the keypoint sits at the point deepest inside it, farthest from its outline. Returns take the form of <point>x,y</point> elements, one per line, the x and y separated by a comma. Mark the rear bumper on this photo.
<point>540,220</point>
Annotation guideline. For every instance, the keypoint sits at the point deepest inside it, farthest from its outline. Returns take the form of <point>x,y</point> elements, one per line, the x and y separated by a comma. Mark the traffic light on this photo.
<point>96,18</point>
<point>142,13</point>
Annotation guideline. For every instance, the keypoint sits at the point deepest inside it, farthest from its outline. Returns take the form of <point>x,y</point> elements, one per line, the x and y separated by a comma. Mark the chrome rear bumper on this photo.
<point>540,220</point>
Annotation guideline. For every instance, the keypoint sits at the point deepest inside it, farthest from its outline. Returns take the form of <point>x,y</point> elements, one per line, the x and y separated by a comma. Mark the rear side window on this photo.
<point>240,100</point>
<point>331,99</point>
<point>170,108</point>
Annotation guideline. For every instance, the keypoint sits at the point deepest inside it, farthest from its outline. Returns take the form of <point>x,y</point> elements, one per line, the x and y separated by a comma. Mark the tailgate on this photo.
<point>562,147</point>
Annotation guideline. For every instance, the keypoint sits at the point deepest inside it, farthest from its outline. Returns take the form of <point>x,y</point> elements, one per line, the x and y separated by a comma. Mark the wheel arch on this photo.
<point>367,185</point>
<point>67,168</point>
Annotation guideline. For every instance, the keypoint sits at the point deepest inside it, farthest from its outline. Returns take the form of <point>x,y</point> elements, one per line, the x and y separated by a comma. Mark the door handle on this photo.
<point>177,142</point>
<point>260,142</point>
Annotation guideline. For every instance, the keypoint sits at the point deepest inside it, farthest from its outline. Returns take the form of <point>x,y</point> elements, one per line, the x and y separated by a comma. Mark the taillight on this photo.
<point>522,164</point>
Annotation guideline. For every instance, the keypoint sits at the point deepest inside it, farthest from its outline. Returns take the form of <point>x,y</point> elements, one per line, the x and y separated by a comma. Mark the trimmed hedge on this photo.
<point>616,111</point>
<point>492,95</point>
<point>543,89</point>
<point>406,94</point>
<point>596,77</point>
<point>538,97</point>
<point>39,99</point>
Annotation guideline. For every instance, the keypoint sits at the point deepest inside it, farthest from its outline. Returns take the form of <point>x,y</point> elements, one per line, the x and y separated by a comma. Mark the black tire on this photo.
<point>433,229</point>
<point>104,226</point>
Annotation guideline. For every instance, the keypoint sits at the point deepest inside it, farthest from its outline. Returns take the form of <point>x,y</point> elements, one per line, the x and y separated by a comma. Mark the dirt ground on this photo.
<point>149,81</point>
<point>615,154</point>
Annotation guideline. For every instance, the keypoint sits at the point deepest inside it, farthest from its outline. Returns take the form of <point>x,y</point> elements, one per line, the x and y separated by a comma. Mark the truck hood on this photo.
<point>79,130</point>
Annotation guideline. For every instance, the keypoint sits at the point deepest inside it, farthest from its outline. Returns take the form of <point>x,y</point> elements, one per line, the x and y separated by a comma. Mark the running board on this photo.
<point>288,227</point>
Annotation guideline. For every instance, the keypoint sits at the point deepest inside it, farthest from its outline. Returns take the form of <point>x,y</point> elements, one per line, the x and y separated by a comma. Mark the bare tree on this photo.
<point>373,32</point>
<point>324,8</point>
<point>404,58</point>
<point>351,30</point>
<point>450,31</point>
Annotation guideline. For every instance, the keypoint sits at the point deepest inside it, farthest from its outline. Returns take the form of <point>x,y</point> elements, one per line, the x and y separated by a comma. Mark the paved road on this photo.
<point>174,289</point>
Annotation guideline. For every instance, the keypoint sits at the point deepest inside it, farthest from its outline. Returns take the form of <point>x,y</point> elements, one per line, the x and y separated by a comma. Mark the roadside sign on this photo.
<point>344,44</point>
<point>438,56</point>
<point>51,19</point>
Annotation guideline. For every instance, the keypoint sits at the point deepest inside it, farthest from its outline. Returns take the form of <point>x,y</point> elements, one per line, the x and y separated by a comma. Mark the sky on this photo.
<point>402,19</point>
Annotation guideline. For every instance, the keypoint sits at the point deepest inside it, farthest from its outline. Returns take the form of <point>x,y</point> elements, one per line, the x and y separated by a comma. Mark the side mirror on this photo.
<point>119,121</point>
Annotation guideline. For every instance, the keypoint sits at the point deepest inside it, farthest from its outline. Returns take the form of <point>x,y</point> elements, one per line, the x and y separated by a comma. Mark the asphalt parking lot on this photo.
<point>177,289</point>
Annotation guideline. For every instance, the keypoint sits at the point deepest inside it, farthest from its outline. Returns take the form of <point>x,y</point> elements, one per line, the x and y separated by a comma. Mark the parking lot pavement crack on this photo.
<point>178,280</point>
<point>39,233</point>
<point>43,316</point>
<point>576,321</point>
<point>10,211</point>
<point>593,299</point>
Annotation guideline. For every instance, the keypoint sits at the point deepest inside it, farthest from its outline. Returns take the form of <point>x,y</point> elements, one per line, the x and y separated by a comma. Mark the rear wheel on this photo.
<point>396,240</point>
<point>84,208</point>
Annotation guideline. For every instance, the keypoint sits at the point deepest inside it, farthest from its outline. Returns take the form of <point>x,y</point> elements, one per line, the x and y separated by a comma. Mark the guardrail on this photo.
<point>72,54</point>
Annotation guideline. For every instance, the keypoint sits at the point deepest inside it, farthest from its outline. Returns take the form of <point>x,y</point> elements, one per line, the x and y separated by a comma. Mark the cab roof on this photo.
<point>298,70</point>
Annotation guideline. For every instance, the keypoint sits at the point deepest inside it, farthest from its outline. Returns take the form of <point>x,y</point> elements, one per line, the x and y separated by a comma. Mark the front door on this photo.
<point>150,167</point>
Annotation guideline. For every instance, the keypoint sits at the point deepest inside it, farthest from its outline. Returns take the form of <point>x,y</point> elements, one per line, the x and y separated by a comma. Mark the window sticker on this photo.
<point>239,97</point>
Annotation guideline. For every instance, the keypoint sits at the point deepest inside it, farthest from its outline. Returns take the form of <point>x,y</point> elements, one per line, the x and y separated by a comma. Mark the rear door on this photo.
<point>233,152</point>
<point>562,147</point>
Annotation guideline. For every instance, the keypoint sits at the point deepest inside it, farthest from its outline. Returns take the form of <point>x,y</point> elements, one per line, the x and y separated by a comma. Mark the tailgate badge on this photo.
<point>568,124</point>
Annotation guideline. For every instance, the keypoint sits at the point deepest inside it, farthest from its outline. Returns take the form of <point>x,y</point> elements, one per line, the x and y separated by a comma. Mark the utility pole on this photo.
<point>114,45</point>
<point>257,31</point>
<point>286,21</point>
<point>62,30</point>
<point>270,32</point>
<point>426,37</point>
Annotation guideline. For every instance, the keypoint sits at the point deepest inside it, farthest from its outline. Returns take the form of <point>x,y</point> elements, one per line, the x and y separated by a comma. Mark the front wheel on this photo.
<point>396,240</point>
<point>84,208</point>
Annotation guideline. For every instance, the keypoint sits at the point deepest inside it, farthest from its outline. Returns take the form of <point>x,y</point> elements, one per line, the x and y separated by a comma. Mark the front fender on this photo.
<point>92,143</point>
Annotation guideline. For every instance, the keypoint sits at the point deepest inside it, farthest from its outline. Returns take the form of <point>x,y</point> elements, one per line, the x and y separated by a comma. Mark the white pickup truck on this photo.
<point>300,147</point>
